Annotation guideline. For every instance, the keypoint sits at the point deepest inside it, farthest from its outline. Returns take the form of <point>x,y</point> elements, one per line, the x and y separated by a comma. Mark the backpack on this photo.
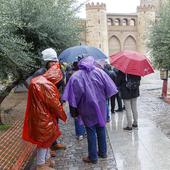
<point>132,84</point>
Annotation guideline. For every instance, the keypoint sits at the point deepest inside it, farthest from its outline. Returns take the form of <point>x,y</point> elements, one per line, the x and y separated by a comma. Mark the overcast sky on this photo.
<point>115,6</point>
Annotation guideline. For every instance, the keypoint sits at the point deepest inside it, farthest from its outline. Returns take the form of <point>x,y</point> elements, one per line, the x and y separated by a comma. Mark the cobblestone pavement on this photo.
<point>13,108</point>
<point>71,159</point>
<point>155,109</point>
<point>152,106</point>
<point>145,147</point>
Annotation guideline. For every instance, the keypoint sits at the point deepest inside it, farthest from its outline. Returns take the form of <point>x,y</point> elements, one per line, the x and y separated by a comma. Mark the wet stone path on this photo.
<point>153,107</point>
<point>150,106</point>
<point>71,159</point>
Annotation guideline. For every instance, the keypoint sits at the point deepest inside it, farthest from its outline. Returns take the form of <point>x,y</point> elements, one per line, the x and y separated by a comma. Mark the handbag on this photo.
<point>132,84</point>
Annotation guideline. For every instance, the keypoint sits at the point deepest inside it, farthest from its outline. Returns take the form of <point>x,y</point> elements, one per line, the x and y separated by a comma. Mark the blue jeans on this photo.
<point>107,110</point>
<point>92,142</point>
<point>43,154</point>
<point>79,129</point>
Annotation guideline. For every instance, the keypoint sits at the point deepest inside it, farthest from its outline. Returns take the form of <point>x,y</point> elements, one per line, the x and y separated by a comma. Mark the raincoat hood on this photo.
<point>86,63</point>
<point>54,74</point>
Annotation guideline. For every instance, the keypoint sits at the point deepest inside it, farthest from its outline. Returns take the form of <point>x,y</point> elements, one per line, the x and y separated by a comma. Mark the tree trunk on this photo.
<point>5,89</point>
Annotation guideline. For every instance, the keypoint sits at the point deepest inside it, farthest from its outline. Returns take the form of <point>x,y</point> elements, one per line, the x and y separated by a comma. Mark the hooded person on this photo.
<point>86,93</point>
<point>49,55</point>
<point>43,108</point>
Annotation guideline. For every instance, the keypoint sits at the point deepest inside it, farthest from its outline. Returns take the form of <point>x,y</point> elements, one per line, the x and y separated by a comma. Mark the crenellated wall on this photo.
<point>146,17</point>
<point>146,8</point>
<point>98,5</point>
<point>112,32</point>
<point>96,26</point>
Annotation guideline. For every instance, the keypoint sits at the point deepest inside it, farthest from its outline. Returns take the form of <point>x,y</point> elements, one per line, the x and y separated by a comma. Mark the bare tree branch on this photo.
<point>80,5</point>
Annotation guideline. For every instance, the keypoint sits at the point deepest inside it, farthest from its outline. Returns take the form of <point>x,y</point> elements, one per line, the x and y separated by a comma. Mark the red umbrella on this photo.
<point>132,62</point>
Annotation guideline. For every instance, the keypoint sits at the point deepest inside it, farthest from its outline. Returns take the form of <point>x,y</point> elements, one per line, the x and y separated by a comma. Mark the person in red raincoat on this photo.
<point>43,108</point>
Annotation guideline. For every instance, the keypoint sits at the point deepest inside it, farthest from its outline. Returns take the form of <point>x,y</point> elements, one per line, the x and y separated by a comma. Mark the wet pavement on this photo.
<point>145,148</point>
<point>148,147</point>
<point>71,159</point>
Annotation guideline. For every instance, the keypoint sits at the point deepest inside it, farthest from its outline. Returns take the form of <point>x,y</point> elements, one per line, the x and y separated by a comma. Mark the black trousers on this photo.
<point>119,102</point>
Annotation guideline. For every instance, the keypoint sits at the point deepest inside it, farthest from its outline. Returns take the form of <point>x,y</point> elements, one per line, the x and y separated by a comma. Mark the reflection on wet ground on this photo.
<point>148,147</point>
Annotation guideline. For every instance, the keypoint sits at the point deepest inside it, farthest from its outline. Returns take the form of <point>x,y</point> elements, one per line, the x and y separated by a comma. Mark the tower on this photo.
<point>146,16</point>
<point>96,26</point>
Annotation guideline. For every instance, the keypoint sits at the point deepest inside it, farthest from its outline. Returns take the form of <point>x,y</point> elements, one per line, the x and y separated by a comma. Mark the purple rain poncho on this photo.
<point>87,90</point>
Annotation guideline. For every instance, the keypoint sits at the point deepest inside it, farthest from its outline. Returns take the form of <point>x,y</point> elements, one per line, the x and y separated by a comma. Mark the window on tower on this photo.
<point>132,22</point>
<point>109,21</point>
<point>124,22</point>
<point>117,21</point>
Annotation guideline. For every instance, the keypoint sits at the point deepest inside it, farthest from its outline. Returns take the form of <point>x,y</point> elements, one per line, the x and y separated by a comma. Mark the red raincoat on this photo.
<point>43,108</point>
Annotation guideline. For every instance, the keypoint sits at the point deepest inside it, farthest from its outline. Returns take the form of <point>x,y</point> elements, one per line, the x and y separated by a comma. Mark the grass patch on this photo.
<point>4,127</point>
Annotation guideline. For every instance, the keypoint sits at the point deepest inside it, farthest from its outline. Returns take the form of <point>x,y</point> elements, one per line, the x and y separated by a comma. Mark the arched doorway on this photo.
<point>132,22</point>
<point>124,22</point>
<point>130,44</point>
<point>110,21</point>
<point>114,45</point>
<point>116,22</point>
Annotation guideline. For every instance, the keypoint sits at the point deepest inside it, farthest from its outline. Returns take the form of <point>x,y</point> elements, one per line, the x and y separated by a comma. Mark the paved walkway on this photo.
<point>71,159</point>
<point>147,148</point>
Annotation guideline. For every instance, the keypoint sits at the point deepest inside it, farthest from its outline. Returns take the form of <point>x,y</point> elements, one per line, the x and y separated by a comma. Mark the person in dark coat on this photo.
<point>113,75</point>
<point>78,123</point>
<point>129,89</point>
<point>107,69</point>
<point>69,72</point>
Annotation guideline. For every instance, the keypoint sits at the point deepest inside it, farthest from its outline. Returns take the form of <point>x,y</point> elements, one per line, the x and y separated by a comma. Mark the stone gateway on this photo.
<point>113,32</point>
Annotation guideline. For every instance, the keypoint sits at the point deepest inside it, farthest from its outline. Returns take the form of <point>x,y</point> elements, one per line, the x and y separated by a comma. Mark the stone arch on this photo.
<point>124,22</point>
<point>114,45</point>
<point>130,43</point>
<point>132,22</point>
<point>109,21</point>
<point>117,21</point>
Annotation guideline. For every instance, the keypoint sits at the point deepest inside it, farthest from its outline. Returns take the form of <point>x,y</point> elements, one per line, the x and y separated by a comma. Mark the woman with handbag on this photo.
<point>129,90</point>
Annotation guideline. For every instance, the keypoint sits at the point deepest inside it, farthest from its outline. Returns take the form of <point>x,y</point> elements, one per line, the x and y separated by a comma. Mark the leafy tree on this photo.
<point>26,28</point>
<point>160,38</point>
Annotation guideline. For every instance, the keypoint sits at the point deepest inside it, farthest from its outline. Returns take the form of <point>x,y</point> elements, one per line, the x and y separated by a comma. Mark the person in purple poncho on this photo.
<point>86,93</point>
